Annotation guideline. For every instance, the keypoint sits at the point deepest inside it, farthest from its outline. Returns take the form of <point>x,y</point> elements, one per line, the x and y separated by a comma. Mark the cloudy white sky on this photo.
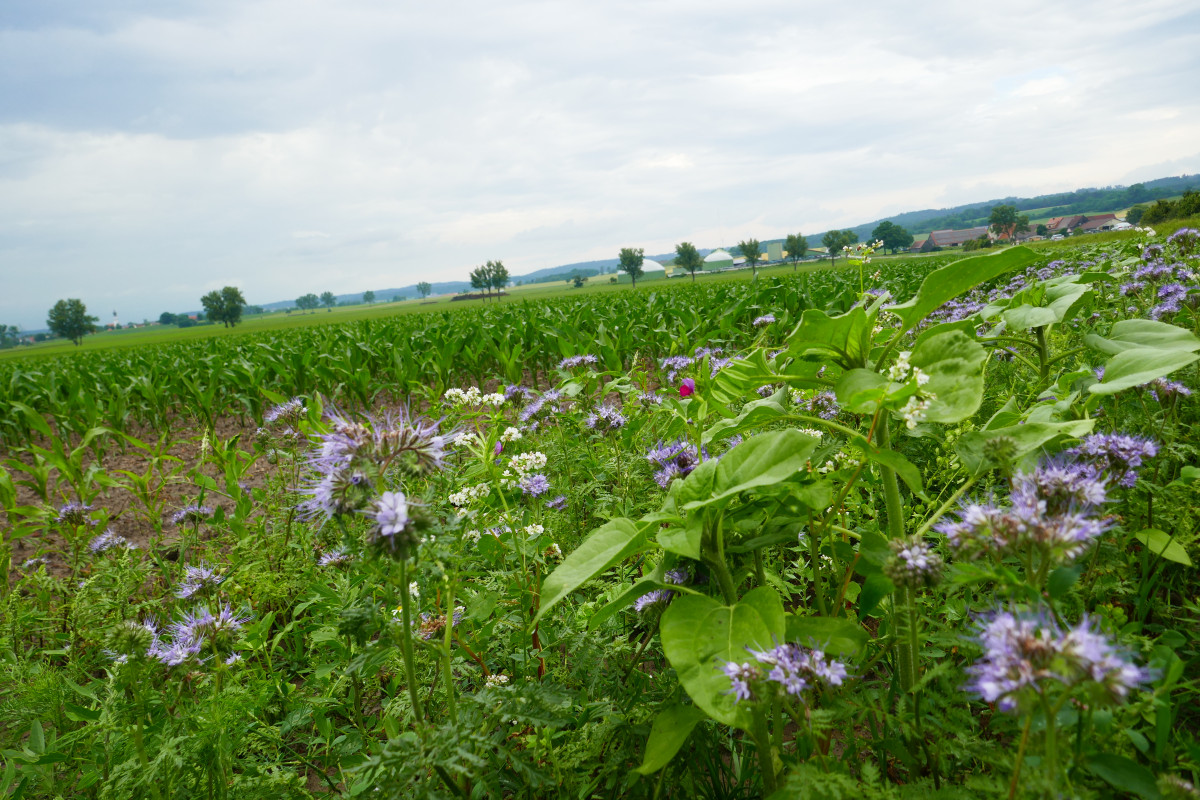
<point>152,151</point>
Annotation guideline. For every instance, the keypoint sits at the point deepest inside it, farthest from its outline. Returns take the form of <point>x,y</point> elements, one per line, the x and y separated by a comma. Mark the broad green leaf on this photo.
<point>1025,316</point>
<point>954,363</point>
<point>846,337</point>
<point>627,597</point>
<point>1058,302</point>
<point>684,537</point>
<point>604,547</point>
<point>954,279</point>
<point>762,460</point>
<point>1161,544</point>
<point>1131,334</point>
<point>754,415</point>
<point>1025,439</point>
<point>1140,365</point>
<point>875,588</point>
<point>861,390</point>
<point>699,636</point>
<point>670,730</point>
<point>835,635</point>
<point>1125,775</point>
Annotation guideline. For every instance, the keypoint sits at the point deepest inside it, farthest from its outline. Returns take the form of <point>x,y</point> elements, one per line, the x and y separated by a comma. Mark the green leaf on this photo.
<point>954,363</point>
<point>861,390</point>
<point>1140,365</point>
<point>875,588</point>
<point>604,547</point>
<point>903,468</point>
<point>80,714</point>
<point>37,738</point>
<point>1125,774</point>
<point>699,635</point>
<point>954,279</point>
<point>754,415</point>
<point>671,729</point>
<point>1027,438</point>
<point>762,460</point>
<point>627,597</point>
<point>1061,580</point>
<point>847,337</point>
<point>1132,334</point>
<point>835,635</point>
<point>1161,544</point>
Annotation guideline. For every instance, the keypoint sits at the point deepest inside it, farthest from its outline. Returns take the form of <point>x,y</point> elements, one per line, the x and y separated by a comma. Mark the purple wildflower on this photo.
<point>1117,455</point>
<point>574,361</point>
<point>605,418</point>
<point>1165,391</point>
<point>649,398</point>
<point>1132,287</point>
<point>823,405</point>
<point>334,558</point>
<point>557,504</point>
<point>288,413</point>
<point>197,580</point>
<point>108,541</point>
<point>792,669</point>
<point>75,514</point>
<point>1030,652</point>
<point>1063,486</point>
<point>193,513</point>
<point>535,485</point>
<point>687,388</point>
<point>429,626</point>
<point>913,563</point>
<point>673,365</point>
<point>390,512</point>
<point>653,600</point>
<point>764,320</point>
<point>676,460</point>
<point>715,365</point>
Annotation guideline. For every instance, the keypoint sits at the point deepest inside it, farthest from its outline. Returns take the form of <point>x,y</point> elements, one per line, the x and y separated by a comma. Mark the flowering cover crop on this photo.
<point>927,532</point>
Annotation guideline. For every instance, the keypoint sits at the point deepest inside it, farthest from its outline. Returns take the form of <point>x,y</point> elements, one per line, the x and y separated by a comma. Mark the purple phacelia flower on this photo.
<point>535,485</point>
<point>557,504</point>
<point>193,513</point>
<point>571,362</point>
<point>1117,455</point>
<point>764,320</point>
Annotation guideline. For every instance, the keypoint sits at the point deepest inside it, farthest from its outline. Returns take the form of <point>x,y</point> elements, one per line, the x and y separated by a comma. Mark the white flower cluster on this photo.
<point>496,680</point>
<point>914,410</point>
<point>534,531</point>
<point>520,466</point>
<point>1147,230</point>
<point>471,396</point>
<point>813,432</point>
<point>511,435</point>
<point>838,461</point>
<point>469,494</point>
<point>903,371</point>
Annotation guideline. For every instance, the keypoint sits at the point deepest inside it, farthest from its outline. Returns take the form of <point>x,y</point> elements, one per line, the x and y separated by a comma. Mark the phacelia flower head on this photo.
<point>605,418</point>
<point>75,514</point>
<point>198,580</point>
<point>535,485</point>
<point>914,563</point>
<point>1029,655</point>
<point>193,513</point>
<point>786,669</point>
<point>1117,455</point>
<point>570,362</point>
<point>675,460</point>
<point>289,413</point>
<point>764,320</point>
<point>395,531</point>
<point>558,503</point>
<point>109,540</point>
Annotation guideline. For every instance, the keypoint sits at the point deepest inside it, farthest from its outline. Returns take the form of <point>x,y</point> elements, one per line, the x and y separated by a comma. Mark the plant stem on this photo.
<point>1012,786</point>
<point>406,650</point>
<point>446,666</point>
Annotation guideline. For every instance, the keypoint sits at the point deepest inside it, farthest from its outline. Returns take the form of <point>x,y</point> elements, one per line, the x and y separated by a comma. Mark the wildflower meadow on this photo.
<point>906,528</point>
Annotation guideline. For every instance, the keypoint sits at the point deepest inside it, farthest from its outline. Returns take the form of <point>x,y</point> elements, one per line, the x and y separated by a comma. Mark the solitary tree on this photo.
<point>307,302</point>
<point>424,289</point>
<point>166,318</point>
<point>752,251</point>
<point>225,306</point>
<point>328,299</point>
<point>892,235</point>
<point>69,319</point>
<point>688,257</point>
<point>1134,215</point>
<point>796,246</point>
<point>497,275</point>
<point>836,241</point>
<point>368,296</point>
<point>1003,221</point>
<point>399,298</point>
<point>9,335</point>
<point>630,260</point>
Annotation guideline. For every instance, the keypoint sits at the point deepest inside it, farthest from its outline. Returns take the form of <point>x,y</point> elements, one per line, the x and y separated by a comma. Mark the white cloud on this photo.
<point>304,146</point>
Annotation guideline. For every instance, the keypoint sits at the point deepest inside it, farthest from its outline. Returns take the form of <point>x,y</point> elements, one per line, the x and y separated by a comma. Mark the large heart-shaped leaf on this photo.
<point>699,636</point>
<point>762,460</point>
<point>954,363</point>
<point>952,280</point>
<point>846,337</point>
<point>670,730</point>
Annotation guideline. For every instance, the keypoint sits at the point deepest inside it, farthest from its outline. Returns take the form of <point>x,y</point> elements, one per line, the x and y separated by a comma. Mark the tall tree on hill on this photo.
<point>328,299</point>
<point>688,257</point>
<point>497,276</point>
<point>797,246</point>
<point>70,320</point>
<point>893,236</point>
<point>751,250</point>
<point>307,302</point>
<point>630,260</point>
<point>368,296</point>
<point>9,335</point>
<point>837,241</point>
<point>424,288</point>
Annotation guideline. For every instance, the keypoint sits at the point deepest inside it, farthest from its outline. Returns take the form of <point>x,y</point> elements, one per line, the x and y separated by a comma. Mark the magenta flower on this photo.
<point>687,388</point>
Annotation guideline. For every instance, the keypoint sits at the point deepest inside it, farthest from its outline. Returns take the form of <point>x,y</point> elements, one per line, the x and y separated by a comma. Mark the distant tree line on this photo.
<point>492,275</point>
<point>1163,210</point>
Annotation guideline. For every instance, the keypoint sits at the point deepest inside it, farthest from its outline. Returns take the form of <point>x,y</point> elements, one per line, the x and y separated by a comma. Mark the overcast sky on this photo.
<point>152,151</point>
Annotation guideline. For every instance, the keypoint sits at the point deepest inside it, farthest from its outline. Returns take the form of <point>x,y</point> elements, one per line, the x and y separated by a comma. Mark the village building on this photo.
<point>948,238</point>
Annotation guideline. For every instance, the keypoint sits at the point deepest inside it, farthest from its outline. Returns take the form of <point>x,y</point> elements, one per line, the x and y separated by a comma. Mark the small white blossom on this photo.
<point>496,680</point>
<point>511,435</point>
<point>534,531</point>
<point>495,399</point>
<point>914,410</point>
